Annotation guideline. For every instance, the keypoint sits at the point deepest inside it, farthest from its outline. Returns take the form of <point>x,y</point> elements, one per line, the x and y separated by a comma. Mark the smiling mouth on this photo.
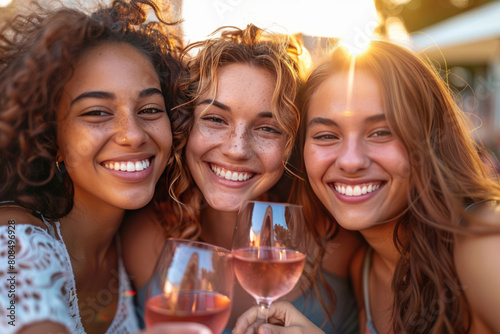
<point>230,175</point>
<point>128,166</point>
<point>356,190</point>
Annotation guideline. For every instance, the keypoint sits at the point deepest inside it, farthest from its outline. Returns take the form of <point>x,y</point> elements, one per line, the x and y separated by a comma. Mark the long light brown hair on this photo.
<point>446,174</point>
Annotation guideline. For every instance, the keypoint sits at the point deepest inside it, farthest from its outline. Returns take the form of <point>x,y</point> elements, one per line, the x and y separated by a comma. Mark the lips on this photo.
<point>356,189</point>
<point>231,175</point>
<point>127,166</point>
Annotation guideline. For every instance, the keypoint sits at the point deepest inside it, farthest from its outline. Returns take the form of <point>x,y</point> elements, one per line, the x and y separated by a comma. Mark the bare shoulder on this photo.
<point>478,269</point>
<point>142,241</point>
<point>340,251</point>
<point>13,215</point>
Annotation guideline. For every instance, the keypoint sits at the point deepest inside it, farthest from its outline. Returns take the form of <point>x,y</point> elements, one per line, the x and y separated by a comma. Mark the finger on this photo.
<point>272,329</point>
<point>245,321</point>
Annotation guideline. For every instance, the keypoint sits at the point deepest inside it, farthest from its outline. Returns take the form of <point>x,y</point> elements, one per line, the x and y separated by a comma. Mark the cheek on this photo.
<point>209,135</point>
<point>397,161</point>
<point>316,162</point>
<point>78,146</point>
<point>271,154</point>
<point>163,136</point>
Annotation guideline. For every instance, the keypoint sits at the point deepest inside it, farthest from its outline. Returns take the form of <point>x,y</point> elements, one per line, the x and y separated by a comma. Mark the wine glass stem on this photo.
<point>263,313</point>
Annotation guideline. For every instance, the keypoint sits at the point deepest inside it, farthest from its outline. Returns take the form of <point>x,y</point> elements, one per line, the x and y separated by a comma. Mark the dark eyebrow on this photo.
<point>216,103</point>
<point>150,92</point>
<point>375,118</point>
<point>94,95</point>
<point>110,96</point>
<point>323,121</point>
<point>264,114</point>
<point>327,121</point>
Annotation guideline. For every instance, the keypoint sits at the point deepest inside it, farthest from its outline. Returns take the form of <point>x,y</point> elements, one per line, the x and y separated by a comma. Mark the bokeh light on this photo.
<point>5,3</point>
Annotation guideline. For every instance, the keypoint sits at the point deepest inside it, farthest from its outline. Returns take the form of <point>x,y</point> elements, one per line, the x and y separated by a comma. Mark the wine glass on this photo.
<point>269,251</point>
<point>192,282</point>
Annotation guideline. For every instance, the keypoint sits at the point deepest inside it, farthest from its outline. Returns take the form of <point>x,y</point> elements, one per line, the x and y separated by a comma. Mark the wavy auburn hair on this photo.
<point>277,53</point>
<point>38,52</point>
<point>446,175</point>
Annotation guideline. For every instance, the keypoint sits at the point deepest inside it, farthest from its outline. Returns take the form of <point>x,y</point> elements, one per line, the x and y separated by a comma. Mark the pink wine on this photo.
<point>268,272</point>
<point>208,308</point>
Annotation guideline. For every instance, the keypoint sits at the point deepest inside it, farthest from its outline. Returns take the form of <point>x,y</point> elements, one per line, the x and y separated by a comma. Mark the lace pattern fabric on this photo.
<point>34,284</point>
<point>43,283</point>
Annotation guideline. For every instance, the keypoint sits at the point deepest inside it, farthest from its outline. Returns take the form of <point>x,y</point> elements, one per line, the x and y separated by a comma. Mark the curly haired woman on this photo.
<point>84,135</point>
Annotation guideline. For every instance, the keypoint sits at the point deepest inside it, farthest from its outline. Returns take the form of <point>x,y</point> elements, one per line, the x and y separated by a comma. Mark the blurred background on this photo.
<point>460,37</point>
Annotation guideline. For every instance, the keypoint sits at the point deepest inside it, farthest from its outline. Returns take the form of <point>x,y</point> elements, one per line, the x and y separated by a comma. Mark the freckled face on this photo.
<point>235,150</point>
<point>356,166</point>
<point>114,133</point>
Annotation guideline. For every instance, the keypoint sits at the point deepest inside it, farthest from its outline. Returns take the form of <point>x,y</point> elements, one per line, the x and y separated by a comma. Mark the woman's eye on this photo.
<point>96,113</point>
<point>327,136</point>
<point>270,130</point>
<point>213,119</point>
<point>151,111</point>
<point>381,133</point>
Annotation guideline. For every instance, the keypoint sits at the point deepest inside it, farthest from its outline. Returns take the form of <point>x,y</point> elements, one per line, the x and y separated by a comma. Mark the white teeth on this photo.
<point>128,166</point>
<point>228,175</point>
<point>348,191</point>
<point>356,190</point>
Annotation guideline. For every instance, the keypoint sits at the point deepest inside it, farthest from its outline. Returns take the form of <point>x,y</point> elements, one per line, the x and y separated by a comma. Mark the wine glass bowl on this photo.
<point>192,282</point>
<point>269,250</point>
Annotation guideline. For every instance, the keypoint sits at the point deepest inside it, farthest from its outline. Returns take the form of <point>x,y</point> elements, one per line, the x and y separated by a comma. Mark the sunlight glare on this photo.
<point>320,18</point>
<point>5,3</point>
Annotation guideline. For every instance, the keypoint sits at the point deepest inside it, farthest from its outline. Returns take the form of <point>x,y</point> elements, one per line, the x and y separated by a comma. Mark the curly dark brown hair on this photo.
<point>38,52</point>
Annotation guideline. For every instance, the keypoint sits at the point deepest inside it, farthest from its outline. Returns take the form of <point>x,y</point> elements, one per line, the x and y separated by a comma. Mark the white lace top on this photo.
<point>37,283</point>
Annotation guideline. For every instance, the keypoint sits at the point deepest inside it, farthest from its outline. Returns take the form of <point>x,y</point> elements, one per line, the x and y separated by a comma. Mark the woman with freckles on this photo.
<point>84,135</point>
<point>388,153</point>
<point>234,143</point>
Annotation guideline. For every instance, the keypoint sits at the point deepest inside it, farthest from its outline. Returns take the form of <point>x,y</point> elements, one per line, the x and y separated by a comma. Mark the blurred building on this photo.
<point>466,47</point>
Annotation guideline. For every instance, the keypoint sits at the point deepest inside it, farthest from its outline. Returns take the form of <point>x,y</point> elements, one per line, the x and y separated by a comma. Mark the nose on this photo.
<point>238,144</point>
<point>352,156</point>
<point>130,130</point>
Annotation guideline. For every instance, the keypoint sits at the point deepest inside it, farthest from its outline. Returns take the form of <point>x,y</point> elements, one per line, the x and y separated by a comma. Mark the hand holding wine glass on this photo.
<point>192,282</point>
<point>269,251</point>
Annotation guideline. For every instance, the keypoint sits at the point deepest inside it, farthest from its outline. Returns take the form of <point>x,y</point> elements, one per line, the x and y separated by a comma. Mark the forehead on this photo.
<point>357,92</point>
<point>244,80</point>
<point>113,63</point>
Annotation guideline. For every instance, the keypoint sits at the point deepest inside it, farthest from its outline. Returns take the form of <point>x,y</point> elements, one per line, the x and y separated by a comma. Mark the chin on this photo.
<point>225,204</point>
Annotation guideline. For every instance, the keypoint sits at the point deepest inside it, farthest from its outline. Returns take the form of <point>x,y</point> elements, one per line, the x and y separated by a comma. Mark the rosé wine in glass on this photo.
<point>211,309</point>
<point>269,251</point>
<point>268,272</point>
<point>192,282</point>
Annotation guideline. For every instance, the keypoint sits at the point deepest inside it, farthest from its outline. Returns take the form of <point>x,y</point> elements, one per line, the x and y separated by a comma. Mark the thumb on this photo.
<point>273,329</point>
